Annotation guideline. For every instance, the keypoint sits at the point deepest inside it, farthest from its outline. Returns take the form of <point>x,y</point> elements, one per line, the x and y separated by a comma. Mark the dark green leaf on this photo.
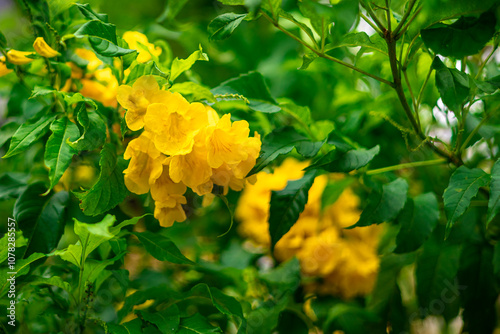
<point>418,219</point>
<point>159,292</point>
<point>453,85</point>
<point>290,323</point>
<point>109,190</point>
<point>464,185</point>
<point>348,318</point>
<point>7,131</point>
<point>179,66</point>
<point>270,6</point>
<point>3,40</point>
<point>28,133</point>
<point>385,206</point>
<point>253,87</point>
<point>286,206</point>
<point>12,185</point>
<point>282,141</point>
<point>333,190</point>
<point>465,37</point>
<point>162,248</point>
<point>223,25</point>
<point>362,39</point>
<point>94,129</point>
<point>196,324</point>
<point>307,59</point>
<point>58,153</point>
<point>149,68</point>
<point>102,37</point>
<point>334,161</point>
<point>90,14</point>
<point>494,201</point>
<point>41,218</point>
<point>167,320</point>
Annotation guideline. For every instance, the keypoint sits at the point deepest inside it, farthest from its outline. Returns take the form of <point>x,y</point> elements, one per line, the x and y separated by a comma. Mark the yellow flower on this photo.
<point>44,49</point>
<point>93,61</point>
<point>19,57</point>
<point>102,89</point>
<point>163,186</point>
<point>170,210</point>
<point>146,164</point>
<point>3,67</point>
<point>139,42</point>
<point>137,98</point>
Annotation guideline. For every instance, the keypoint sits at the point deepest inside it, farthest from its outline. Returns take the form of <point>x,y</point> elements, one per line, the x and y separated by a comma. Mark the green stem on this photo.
<point>367,20</point>
<point>475,130</point>
<point>308,33</point>
<point>407,165</point>
<point>405,16</point>
<point>403,30</point>
<point>485,62</point>
<point>374,17</point>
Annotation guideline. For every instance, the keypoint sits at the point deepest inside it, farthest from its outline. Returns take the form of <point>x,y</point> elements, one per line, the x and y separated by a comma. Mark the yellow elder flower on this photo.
<point>163,186</point>
<point>103,88</point>
<point>139,42</point>
<point>3,67</point>
<point>146,164</point>
<point>19,57</point>
<point>93,61</point>
<point>137,98</point>
<point>44,49</point>
<point>170,210</point>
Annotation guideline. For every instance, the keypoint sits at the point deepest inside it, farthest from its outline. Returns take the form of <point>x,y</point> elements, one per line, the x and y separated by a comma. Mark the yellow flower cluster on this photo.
<point>344,262</point>
<point>183,145</point>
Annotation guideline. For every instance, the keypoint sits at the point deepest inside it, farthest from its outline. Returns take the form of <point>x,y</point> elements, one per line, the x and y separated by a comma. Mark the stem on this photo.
<point>407,165</point>
<point>420,94</point>
<point>475,130</point>
<point>324,55</point>
<point>374,17</point>
<point>412,98</point>
<point>405,16</point>
<point>403,30</point>
<point>367,20</point>
<point>485,62</point>
<point>308,33</point>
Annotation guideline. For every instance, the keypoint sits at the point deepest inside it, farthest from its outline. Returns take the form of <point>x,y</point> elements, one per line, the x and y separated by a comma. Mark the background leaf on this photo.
<point>223,25</point>
<point>102,37</point>
<point>453,85</point>
<point>346,162</point>
<point>180,66</point>
<point>162,248</point>
<point>494,201</point>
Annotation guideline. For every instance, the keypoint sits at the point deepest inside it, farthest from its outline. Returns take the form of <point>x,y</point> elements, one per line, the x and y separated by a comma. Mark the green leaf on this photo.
<point>196,324</point>
<point>282,141</point>
<point>3,40</point>
<point>53,280</point>
<point>253,87</point>
<point>307,60</point>
<point>464,185</point>
<point>334,162</point>
<point>162,248</point>
<point>22,267</point>
<point>290,17</point>
<point>167,320</point>
<point>75,98</point>
<point>289,322</point>
<point>418,219</point>
<point>7,131</point>
<point>223,25</point>
<point>271,6</point>
<point>436,270</point>
<point>94,130</point>
<point>12,185</point>
<point>93,268</point>
<point>453,85</point>
<point>149,68</point>
<point>343,13</point>
<point>348,318</point>
<point>29,132</point>
<point>90,14</point>
<point>494,201</point>
<point>20,241</point>
<point>179,66</point>
<point>58,153</point>
<point>93,235</point>
<point>193,92</point>
<point>287,205</point>
<point>132,221</point>
<point>465,37</point>
<point>109,190</point>
<point>385,206</point>
<point>158,292</point>
<point>362,39</point>
<point>41,218</point>
<point>102,38</point>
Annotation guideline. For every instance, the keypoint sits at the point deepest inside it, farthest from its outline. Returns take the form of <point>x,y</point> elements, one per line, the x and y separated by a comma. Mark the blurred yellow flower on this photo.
<point>102,88</point>
<point>3,67</point>
<point>19,57</point>
<point>139,42</point>
<point>136,99</point>
<point>43,49</point>
<point>93,62</point>
<point>170,210</point>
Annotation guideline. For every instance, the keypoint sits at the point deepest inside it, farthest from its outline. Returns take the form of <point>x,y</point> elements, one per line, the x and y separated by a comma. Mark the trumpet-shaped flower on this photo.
<point>139,42</point>
<point>136,99</point>
<point>19,57</point>
<point>163,186</point>
<point>43,49</point>
<point>170,210</point>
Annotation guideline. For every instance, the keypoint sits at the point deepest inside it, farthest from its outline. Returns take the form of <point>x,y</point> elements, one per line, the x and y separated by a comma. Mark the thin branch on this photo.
<point>405,17</point>
<point>374,17</point>
<point>407,165</point>
<point>367,20</point>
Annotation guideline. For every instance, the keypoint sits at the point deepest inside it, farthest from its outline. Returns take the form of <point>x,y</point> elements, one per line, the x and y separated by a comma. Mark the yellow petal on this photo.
<point>44,49</point>
<point>19,57</point>
<point>170,210</point>
<point>3,67</point>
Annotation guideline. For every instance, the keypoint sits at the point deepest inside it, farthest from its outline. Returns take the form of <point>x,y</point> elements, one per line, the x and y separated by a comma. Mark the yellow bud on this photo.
<point>3,67</point>
<point>44,49</point>
<point>19,57</point>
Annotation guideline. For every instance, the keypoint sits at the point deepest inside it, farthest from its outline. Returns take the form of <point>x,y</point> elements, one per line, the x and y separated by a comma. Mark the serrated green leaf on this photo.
<point>196,324</point>
<point>29,132</point>
<point>385,206</point>
<point>494,201</point>
<point>286,206</point>
<point>109,190</point>
<point>89,13</point>
<point>149,68</point>
<point>94,130</point>
<point>282,141</point>
<point>162,248</point>
<point>102,38</point>
<point>453,85</point>
<point>223,25</point>
<point>465,37</point>
<point>179,66</point>
<point>464,185</point>
<point>58,153</point>
<point>41,218</point>
<point>193,92</point>
<point>335,162</point>
<point>418,219</point>
<point>167,320</point>
<point>253,87</point>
